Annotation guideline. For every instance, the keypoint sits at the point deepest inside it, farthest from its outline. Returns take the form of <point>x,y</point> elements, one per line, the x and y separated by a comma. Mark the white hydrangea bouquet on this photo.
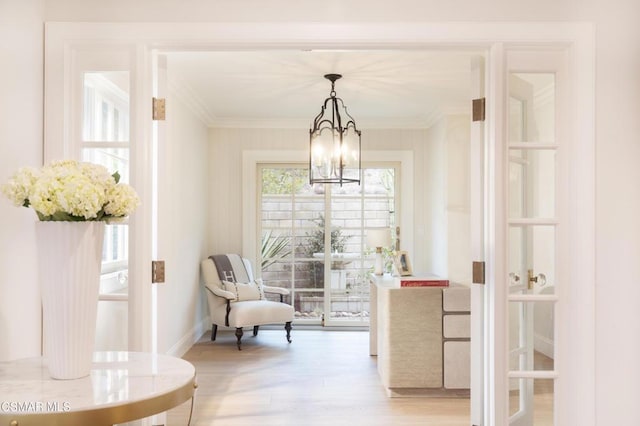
<point>70,190</point>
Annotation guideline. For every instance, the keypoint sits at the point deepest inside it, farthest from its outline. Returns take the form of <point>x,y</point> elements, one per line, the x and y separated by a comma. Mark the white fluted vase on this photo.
<point>69,258</point>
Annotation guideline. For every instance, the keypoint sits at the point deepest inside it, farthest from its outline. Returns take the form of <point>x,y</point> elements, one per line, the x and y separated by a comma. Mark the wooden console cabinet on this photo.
<point>421,337</point>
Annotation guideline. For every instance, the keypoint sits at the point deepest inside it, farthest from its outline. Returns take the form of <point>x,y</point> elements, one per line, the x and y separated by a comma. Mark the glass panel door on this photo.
<point>533,223</point>
<point>291,238</point>
<point>105,141</point>
<point>354,209</point>
<point>324,263</point>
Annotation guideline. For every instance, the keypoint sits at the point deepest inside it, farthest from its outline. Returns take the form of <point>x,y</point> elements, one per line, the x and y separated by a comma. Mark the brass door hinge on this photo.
<point>157,271</point>
<point>478,109</point>
<point>158,109</point>
<point>478,273</point>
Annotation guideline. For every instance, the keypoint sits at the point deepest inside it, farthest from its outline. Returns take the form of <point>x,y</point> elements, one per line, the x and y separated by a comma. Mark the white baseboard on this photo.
<point>543,345</point>
<point>183,345</point>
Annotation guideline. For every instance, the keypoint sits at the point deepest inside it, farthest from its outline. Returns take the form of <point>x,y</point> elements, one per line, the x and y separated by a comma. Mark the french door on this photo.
<point>313,239</point>
<point>536,218</point>
<point>91,115</point>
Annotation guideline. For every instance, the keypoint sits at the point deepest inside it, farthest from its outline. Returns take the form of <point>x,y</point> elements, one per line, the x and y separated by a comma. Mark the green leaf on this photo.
<point>274,249</point>
<point>116,177</point>
<point>66,217</point>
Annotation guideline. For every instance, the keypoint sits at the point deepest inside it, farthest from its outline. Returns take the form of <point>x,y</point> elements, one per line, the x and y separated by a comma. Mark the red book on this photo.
<point>423,282</point>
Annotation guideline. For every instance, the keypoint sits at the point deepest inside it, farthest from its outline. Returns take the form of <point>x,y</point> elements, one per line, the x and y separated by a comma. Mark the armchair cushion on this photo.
<point>259,312</point>
<point>245,291</point>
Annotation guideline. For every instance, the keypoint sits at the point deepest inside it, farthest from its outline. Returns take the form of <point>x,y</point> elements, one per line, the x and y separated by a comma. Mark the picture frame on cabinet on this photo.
<point>402,263</point>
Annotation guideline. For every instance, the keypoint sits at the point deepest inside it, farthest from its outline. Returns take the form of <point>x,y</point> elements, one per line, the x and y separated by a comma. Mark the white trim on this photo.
<point>189,339</point>
<point>533,145</point>
<point>532,221</point>
<point>576,327</point>
<point>532,298</point>
<point>538,374</point>
<point>477,203</point>
<point>189,97</point>
<point>495,241</point>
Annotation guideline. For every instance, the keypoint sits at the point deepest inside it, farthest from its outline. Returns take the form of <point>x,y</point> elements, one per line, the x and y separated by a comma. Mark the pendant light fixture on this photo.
<point>334,141</point>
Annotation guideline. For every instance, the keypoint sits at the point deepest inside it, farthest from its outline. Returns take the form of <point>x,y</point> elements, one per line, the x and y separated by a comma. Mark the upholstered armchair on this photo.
<point>237,299</point>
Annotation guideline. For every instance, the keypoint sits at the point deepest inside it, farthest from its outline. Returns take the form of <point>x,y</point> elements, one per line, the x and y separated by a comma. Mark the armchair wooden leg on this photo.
<point>239,336</point>
<point>287,327</point>
<point>255,330</point>
<point>214,331</point>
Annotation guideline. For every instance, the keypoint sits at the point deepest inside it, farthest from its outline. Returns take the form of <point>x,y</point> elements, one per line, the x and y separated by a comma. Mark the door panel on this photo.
<point>533,222</point>
<point>104,139</point>
<point>96,112</point>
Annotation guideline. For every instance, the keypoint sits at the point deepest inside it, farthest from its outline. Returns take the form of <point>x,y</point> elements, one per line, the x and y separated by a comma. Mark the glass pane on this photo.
<point>349,300</point>
<point>284,181</point>
<point>516,119</point>
<point>532,107</point>
<point>532,175</point>
<point>115,251</point>
<point>276,273</point>
<point>308,212</point>
<point>114,159</point>
<point>277,212</point>
<point>532,247</point>
<point>111,326</point>
<point>531,402</point>
<point>379,182</point>
<point>531,339</point>
<point>309,305</point>
<point>106,106</point>
<point>346,212</point>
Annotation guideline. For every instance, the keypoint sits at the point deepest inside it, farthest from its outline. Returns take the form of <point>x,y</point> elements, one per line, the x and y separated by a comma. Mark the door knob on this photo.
<point>532,279</point>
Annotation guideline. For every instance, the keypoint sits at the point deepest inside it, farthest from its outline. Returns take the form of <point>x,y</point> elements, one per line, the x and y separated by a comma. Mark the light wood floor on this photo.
<point>322,378</point>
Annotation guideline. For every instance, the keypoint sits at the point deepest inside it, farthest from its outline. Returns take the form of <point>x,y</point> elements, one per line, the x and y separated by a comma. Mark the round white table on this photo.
<point>121,387</point>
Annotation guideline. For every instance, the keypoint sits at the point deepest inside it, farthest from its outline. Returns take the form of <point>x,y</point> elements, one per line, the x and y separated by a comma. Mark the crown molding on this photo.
<point>189,97</point>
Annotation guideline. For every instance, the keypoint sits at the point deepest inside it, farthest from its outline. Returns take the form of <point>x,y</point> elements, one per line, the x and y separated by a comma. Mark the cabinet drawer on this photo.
<point>456,326</point>
<point>456,299</point>
<point>456,365</point>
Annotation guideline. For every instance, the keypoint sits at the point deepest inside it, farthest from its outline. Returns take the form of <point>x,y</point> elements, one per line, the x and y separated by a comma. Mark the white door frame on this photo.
<point>575,393</point>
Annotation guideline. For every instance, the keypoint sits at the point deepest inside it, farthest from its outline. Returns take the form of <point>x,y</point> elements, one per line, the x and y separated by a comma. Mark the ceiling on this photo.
<point>381,89</point>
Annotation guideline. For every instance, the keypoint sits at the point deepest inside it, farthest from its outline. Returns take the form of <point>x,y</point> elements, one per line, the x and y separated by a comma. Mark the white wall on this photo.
<point>617,212</point>
<point>21,50</point>
<point>225,185</point>
<point>434,185</point>
<point>458,199</point>
<point>617,130</point>
<point>446,187</point>
<point>182,223</point>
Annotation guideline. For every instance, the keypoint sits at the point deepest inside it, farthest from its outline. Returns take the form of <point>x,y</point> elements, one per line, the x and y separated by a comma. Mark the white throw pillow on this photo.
<point>245,291</point>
